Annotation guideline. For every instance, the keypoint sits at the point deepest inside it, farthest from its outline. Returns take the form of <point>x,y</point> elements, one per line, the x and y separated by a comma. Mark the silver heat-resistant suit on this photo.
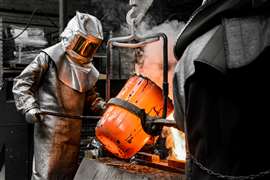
<point>56,81</point>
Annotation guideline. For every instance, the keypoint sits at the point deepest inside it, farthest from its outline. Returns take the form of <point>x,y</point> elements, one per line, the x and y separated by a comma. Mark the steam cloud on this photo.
<point>150,64</point>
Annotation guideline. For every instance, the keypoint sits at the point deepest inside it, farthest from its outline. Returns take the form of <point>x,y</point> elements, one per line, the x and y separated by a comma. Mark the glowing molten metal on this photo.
<point>175,141</point>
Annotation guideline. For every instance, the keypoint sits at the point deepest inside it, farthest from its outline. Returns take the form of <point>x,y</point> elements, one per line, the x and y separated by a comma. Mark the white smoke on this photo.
<point>150,64</point>
<point>170,28</point>
<point>149,59</point>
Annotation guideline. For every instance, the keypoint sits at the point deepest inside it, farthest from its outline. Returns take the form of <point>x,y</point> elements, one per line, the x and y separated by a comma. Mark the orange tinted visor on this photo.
<point>86,46</point>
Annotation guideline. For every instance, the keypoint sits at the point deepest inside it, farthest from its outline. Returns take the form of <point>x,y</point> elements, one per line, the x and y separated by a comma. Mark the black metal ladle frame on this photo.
<point>152,125</point>
<point>125,42</point>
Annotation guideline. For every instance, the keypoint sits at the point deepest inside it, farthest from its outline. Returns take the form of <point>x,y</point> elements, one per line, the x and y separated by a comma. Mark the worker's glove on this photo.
<point>98,106</point>
<point>33,116</point>
<point>103,106</point>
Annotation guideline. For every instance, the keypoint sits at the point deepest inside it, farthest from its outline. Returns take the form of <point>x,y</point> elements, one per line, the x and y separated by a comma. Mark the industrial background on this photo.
<point>28,26</point>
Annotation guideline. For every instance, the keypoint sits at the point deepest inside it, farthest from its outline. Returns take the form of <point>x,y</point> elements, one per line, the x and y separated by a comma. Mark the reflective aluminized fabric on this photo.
<point>82,37</point>
<point>80,78</point>
<point>57,139</point>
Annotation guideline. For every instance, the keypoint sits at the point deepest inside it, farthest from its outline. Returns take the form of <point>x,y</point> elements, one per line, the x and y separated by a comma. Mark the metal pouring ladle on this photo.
<point>151,125</point>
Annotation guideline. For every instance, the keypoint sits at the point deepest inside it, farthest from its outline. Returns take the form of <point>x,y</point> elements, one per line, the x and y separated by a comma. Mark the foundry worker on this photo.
<point>60,79</point>
<point>221,94</point>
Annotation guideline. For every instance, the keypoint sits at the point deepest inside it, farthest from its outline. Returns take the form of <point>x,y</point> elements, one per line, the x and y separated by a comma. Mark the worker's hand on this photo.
<point>103,106</point>
<point>33,116</point>
<point>98,106</point>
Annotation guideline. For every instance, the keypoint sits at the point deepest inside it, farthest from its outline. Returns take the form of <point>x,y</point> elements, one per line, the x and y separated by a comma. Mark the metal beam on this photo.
<point>62,15</point>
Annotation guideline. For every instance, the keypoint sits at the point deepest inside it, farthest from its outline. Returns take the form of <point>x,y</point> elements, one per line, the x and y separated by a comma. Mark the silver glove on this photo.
<point>33,116</point>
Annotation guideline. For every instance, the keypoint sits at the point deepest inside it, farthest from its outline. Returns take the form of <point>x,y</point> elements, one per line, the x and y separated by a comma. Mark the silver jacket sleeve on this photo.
<point>27,83</point>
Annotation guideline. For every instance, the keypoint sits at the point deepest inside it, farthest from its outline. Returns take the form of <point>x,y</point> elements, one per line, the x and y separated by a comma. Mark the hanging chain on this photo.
<point>228,177</point>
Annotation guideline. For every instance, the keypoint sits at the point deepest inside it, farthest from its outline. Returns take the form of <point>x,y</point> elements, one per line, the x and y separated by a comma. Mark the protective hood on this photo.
<point>82,37</point>
<point>76,77</point>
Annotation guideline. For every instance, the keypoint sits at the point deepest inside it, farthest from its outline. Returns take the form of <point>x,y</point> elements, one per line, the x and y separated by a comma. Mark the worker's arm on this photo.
<point>95,102</point>
<point>27,83</point>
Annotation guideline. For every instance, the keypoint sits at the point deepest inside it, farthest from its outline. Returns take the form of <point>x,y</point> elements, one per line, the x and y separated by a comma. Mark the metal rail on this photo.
<point>68,116</point>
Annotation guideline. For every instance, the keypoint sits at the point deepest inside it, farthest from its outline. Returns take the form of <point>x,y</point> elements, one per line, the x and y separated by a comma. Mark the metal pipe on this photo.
<point>68,116</point>
<point>163,122</point>
<point>108,70</point>
<point>165,74</point>
<point>134,45</point>
<point>62,15</point>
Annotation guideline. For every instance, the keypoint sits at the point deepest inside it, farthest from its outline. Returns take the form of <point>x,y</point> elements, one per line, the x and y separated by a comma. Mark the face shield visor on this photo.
<point>82,48</point>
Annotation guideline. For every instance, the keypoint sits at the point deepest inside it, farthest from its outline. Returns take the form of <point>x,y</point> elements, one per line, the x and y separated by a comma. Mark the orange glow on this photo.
<point>150,65</point>
<point>175,141</point>
<point>119,130</point>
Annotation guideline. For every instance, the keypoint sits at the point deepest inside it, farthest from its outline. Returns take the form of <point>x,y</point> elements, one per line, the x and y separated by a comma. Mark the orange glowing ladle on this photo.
<point>139,110</point>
